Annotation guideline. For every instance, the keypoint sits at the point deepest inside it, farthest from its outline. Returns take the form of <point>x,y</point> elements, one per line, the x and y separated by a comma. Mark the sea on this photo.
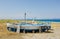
<point>45,20</point>
<point>49,20</point>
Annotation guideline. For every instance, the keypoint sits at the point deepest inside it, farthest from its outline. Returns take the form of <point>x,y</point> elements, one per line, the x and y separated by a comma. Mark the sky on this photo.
<point>41,9</point>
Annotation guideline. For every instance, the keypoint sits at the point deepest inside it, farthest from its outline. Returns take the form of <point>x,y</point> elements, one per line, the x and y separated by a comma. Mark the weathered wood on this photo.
<point>9,29</point>
<point>47,29</point>
<point>24,31</point>
<point>40,28</point>
<point>33,31</point>
<point>18,29</point>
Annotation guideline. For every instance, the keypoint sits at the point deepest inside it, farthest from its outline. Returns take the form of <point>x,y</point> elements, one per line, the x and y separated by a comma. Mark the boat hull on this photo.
<point>29,29</point>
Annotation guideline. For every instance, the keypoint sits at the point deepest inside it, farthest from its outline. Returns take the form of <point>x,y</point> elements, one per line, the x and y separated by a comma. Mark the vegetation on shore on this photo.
<point>9,20</point>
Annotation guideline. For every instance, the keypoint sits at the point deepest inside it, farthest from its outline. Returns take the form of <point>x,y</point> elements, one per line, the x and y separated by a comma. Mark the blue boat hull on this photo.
<point>28,30</point>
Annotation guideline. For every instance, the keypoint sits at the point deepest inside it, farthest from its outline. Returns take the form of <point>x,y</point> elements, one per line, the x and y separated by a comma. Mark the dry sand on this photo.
<point>54,34</point>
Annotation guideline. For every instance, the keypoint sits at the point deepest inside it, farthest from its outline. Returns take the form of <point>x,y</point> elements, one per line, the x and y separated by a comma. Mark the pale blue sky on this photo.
<point>43,9</point>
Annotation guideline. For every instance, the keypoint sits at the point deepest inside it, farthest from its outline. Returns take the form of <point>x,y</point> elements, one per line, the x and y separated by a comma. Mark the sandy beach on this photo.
<point>54,34</point>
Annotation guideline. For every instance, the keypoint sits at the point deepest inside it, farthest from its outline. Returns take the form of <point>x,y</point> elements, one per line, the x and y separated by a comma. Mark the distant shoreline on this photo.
<point>44,20</point>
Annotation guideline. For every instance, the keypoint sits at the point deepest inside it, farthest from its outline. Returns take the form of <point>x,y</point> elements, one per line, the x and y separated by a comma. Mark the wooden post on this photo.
<point>24,31</point>
<point>33,31</point>
<point>47,29</point>
<point>40,28</point>
<point>18,29</point>
<point>9,29</point>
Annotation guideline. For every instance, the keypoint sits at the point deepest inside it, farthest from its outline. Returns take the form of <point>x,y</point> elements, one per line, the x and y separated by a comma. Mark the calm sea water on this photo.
<point>46,20</point>
<point>49,20</point>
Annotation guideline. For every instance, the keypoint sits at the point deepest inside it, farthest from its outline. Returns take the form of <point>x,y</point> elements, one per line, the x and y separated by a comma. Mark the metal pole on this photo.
<point>25,17</point>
